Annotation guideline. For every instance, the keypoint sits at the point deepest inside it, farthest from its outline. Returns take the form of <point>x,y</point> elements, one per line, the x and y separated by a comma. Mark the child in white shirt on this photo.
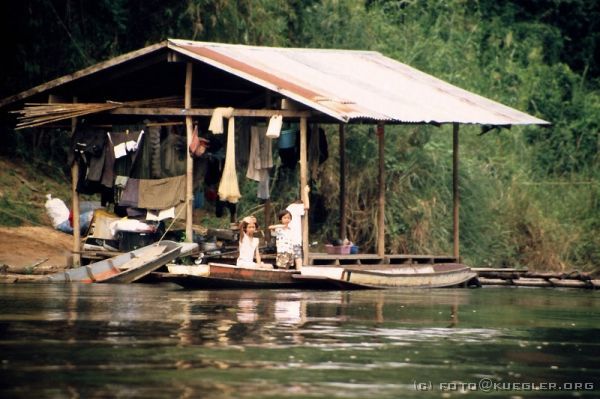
<point>248,243</point>
<point>286,250</point>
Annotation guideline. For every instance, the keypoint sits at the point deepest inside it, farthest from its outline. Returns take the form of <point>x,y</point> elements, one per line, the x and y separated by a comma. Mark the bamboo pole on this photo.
<point>455,192</point>
<point>189,173</point>
<point>342,150</point>
<point>76,257</point>
<point>381,200</point>
<point>303,187</point>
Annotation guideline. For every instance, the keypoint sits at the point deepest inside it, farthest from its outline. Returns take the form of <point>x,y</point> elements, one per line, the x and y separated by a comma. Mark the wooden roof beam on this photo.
<point>168,111</point>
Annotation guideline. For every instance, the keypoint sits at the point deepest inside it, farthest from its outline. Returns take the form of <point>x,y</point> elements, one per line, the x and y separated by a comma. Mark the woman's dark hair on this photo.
<point>282,213</point>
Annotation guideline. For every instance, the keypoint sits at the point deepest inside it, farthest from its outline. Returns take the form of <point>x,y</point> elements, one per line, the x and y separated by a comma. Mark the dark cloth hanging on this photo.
<point>242,138</point>
<point>289,157</point>
<point>318,150</point>
<point>155,152</point>
<point>88,150</point>
<point>173,153</point>
<point>121,134</point>
<point>220,208</point>
<point>214,170</point>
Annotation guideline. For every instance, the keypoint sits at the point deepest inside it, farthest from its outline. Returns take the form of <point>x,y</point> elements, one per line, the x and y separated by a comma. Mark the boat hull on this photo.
<point>219,276</point>
<point>125,268</point>
<point>388,276</point>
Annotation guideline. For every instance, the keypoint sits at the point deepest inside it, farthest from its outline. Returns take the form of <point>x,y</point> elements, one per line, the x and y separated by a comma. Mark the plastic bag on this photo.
<point>57,210</point>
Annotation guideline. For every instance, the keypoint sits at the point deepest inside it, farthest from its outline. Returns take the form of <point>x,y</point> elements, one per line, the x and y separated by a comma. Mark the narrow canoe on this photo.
<point>436,275</point>
<point>220,275</point>
<point>128,267</point>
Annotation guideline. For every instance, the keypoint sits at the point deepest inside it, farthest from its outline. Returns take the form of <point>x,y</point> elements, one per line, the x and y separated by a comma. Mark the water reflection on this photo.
<point>161,341</point>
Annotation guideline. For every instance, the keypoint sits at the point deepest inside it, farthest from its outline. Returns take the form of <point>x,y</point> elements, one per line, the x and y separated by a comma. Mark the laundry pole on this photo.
<point>189,170</point>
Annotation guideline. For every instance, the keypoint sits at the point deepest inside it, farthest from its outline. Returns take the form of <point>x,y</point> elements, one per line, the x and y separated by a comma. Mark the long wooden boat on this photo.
<point>435,275</point>
<point>128,267</point>
<point>220,275</point>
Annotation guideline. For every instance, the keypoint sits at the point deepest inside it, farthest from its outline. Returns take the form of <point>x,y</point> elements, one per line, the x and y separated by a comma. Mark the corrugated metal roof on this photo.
<point>346,84</point>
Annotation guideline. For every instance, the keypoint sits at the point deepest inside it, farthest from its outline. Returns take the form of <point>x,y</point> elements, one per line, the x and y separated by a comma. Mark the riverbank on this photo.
<point>23,248</point>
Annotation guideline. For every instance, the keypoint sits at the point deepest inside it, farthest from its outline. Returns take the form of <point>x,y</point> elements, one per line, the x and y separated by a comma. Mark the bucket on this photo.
<point>130,240</point>
<point>287,138</point>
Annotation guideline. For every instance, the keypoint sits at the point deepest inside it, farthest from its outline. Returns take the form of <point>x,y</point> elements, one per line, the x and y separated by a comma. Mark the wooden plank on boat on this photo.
<point>139,260</point>
<point>595,283</point>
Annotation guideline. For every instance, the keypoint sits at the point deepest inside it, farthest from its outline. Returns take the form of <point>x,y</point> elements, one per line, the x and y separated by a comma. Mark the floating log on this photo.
<point>498,269</point>
<point>499,275</point>
<point>578,275</point>
<point>35,268</point>
<point>569,283</point>
<point>9,278</point>
<point>494,281</point>
<point>545,275</point>
<point>532,282</point>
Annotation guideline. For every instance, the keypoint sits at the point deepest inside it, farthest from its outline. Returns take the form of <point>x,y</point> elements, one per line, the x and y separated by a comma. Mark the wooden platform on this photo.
<point>525,278</point>
<point>317,258</point>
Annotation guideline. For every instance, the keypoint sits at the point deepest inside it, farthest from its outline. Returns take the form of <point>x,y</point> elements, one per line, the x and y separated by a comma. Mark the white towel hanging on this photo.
<point>274,126</point>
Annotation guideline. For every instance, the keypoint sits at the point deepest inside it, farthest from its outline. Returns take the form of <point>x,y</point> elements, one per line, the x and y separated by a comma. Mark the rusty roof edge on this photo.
<point>83,72</point>
<point>182,42</point>
<point>173,45</point>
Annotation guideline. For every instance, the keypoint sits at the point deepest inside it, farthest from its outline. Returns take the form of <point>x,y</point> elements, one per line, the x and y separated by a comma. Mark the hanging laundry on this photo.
<point>130,193</point>
<point>128,146</point>
<point>159,215</point>
<point>161,193</point>
<point>229,189</point>
<point>155,153</point>
<point>88,151</point>
<point>120,135</point>
<point>274,126</point>
<point>216,121</point>
<point>198,145</point>
<point>260,160</point>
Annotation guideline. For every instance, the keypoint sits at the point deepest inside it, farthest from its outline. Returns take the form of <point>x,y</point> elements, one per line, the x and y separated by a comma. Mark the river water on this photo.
<point>159,341</point>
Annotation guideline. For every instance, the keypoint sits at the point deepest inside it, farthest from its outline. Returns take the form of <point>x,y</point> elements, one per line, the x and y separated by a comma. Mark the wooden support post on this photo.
<point>303,188</point>
<point>189,173</point>
<point>455,193</point>
<point>76,257</point>
<point>343,167</point>
<point>381,201</point>
<point>267,208</point>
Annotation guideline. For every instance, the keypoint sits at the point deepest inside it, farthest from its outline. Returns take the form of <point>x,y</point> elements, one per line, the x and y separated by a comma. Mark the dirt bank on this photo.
<point>26,246</point>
